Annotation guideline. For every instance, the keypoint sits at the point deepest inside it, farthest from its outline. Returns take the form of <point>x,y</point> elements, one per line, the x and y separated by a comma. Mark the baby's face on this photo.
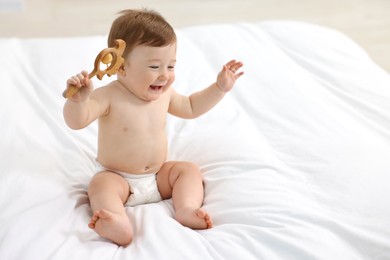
<point>149,71</point>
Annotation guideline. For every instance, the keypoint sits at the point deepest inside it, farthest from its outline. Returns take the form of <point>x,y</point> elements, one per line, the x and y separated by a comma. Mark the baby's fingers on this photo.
<point>230,63</point>
<point>80,80</point>
<point>73,81</point>
<point>238,65</point>
<point>239,74</point>
<point>234,65</point>
<point>81,77</point>
<point>85,74</point>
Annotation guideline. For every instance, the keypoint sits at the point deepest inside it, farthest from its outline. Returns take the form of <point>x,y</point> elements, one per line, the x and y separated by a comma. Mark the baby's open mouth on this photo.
<point>155,87</point>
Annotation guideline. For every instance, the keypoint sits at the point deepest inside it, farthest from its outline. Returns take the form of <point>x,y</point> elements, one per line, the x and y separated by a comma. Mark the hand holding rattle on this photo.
<point>111,56</point>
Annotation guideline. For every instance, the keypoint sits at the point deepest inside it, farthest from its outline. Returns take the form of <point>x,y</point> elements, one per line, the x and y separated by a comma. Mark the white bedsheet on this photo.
<point>295,159</point>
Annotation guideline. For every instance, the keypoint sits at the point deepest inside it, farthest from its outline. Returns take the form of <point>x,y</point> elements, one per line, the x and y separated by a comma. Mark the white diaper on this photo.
<point>143,187</point>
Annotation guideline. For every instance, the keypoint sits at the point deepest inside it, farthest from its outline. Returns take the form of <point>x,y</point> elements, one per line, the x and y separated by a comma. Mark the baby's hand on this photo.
<point>81,81</point>
<point>228,75</point>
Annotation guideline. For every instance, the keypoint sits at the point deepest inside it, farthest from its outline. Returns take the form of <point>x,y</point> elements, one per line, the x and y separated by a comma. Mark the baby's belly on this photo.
<point>143,156</point>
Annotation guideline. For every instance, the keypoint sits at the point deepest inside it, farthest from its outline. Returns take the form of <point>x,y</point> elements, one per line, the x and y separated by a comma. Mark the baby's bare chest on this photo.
<point>145,119</point>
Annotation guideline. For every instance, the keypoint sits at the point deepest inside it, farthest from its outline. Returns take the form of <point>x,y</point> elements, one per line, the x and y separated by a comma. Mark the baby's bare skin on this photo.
<point>112,226</point>
<point>132,135</point>
<point>131,113</point>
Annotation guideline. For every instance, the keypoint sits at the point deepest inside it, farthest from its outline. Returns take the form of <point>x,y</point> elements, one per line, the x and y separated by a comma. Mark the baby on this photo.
<point>132,142</point>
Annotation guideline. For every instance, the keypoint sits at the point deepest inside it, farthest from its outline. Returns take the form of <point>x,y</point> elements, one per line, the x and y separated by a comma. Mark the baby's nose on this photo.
<point>164,75</point>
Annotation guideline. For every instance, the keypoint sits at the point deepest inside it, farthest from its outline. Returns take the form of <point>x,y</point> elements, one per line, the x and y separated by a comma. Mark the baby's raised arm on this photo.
<point>200,102</point>
<point>86,105</point>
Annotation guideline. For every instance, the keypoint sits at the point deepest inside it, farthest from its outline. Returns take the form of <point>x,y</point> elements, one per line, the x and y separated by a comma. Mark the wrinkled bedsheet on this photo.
<point>295,158</point>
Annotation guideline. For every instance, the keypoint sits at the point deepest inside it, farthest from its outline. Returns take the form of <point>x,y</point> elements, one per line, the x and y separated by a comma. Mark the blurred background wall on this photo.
<point>365,21</point>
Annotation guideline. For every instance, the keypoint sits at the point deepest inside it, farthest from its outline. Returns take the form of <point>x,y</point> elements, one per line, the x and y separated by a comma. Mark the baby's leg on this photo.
<point>183,182</point>
<point>107,193</point>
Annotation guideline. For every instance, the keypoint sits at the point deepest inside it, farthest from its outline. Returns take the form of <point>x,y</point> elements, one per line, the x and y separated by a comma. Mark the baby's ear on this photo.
<point>121,69</point>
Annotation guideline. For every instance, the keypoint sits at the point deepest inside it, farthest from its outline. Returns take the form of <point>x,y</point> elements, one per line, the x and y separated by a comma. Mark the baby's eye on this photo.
<point>171,67</point>
<point>153,67</point>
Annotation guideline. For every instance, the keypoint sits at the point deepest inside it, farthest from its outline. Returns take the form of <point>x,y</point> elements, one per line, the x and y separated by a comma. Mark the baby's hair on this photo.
<point>141,27</point>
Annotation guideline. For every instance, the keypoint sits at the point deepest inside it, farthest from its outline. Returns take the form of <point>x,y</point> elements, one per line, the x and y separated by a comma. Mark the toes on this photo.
<point>93,220</point>
<point>99,214</point>
<point>209,222</point>
<point>91,225</point>
<point>201,213</point>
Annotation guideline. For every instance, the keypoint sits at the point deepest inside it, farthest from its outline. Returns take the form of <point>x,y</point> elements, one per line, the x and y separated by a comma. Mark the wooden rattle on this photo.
<point>112,57</point>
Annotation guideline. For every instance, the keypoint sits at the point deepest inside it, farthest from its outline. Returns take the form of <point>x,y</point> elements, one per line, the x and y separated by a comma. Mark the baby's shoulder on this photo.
<point>103,95</point>
<point>105,90</point>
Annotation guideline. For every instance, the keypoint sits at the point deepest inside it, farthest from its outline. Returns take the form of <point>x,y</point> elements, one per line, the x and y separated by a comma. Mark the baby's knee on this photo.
<point>190,166</point>
<point>184,169</point>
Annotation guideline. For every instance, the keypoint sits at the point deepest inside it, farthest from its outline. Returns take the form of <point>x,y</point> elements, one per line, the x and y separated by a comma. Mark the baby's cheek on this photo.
<point>172,78</point>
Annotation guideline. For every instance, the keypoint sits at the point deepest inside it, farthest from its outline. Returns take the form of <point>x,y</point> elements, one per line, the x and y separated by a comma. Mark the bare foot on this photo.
<point>114,227</point>
<point>194,218</point>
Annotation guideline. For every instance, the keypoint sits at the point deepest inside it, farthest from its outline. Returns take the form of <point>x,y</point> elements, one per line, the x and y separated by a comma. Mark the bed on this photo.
<point>295,159</point>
